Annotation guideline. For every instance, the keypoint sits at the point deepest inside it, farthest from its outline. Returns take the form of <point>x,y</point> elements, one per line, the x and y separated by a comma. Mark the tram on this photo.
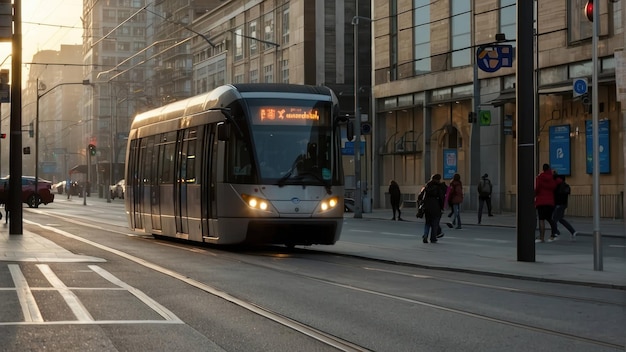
<point>243,163</point>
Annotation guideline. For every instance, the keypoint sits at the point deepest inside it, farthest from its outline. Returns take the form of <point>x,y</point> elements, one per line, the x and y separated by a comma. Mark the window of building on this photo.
<point>268,30</point>
<point>285,25</point>
<point>508,19</point>
<point>460,29</point>
<point>393,40</point>
<point>238,79</point>
<point>123,46</point>
<point>285,71</point>
<point>252,33</point>
<point>269,73</point>
<point>421,36</point>
<point>254,76</point>
<point>108,15</point>
<point>238,40</point>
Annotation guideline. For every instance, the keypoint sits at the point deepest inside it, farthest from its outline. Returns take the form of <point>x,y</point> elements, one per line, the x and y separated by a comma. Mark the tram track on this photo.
<point>323,336</point>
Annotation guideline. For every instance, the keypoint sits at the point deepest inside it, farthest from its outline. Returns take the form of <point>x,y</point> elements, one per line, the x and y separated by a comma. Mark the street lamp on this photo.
<point>357,119</point>
<point>39,96</point>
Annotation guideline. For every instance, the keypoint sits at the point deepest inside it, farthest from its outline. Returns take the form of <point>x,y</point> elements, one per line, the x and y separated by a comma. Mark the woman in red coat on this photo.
<point>544,202</point>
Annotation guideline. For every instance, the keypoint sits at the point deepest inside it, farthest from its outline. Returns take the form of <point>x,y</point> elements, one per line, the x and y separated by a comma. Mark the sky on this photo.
<point>46,24</point>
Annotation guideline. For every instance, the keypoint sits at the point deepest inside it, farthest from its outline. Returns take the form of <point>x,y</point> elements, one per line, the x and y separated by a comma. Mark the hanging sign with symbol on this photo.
<point>580,87</point>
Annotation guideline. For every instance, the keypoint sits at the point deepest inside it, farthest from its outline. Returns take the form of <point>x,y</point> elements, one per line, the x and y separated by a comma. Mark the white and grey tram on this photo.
<point>244,163</point>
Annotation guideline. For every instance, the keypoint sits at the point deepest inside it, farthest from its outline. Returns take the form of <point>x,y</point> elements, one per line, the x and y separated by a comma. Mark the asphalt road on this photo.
<point>143,294</point>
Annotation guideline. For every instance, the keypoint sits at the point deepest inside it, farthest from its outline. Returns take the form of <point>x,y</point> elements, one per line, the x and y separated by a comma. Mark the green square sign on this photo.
<point>485,118</point>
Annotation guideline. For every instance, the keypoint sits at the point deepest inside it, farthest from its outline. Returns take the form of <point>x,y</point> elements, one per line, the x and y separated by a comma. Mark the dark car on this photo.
<point>44,194</point>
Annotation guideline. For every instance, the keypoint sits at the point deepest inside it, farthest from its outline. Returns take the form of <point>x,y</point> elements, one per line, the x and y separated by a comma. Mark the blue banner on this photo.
<point>450,162</point>
<point>560,149</point>
<point>603,147</point>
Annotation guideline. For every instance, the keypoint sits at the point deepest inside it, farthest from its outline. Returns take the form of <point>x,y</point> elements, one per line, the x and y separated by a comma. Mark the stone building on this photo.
<point>426,83</point>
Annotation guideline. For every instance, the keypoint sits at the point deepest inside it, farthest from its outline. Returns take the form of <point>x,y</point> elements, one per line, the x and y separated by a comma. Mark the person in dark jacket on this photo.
<point>561,195</point>
<point>394,197</point>
<point>484,196</point>
<point>455,199</point>
<point>433,197</point>
<point>544,202</point>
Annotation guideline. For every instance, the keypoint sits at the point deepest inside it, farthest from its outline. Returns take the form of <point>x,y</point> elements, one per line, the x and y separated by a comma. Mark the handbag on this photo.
<point>420,209</point>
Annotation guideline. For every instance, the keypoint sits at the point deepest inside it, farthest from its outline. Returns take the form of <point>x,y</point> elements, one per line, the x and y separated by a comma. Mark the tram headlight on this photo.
<point>255,202</point>
<point>329,203</point>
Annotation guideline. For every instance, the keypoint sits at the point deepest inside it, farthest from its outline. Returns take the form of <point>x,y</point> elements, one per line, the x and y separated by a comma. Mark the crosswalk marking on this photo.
<point>70,298</point>
<point>25,295</point>
<point>33,316</point>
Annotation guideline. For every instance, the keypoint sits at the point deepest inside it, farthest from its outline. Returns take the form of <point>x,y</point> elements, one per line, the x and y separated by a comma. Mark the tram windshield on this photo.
<point>293,141</point>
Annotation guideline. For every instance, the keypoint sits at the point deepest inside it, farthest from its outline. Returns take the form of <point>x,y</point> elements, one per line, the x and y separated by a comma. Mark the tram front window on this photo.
<point>296,148</point>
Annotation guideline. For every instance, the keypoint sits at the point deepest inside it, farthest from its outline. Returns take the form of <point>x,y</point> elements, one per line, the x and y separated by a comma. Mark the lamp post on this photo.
<point>358,201</point>
<point>39,96</point>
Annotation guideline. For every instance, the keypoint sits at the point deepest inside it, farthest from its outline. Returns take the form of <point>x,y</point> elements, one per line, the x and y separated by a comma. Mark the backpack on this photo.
<point>563,189</point>
<point>485,188</point>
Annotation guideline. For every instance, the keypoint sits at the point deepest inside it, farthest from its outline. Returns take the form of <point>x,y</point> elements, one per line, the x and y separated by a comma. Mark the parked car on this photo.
<point>32,199</point>
<point>118,189</point>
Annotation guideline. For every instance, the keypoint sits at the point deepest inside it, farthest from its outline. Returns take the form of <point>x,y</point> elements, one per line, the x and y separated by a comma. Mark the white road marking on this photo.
<point>25,295</point>
<point>397,234</point>
<point>491,240</point>
<point>364,231</point>
<point>162,311</point>
<point>70,298</point>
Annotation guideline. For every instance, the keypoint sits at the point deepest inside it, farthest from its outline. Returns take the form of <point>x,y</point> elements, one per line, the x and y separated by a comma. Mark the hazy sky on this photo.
<point>46,24</point>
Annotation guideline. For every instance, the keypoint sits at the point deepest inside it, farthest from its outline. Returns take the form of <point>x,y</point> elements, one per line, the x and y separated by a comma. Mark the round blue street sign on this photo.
<point>580,86</point>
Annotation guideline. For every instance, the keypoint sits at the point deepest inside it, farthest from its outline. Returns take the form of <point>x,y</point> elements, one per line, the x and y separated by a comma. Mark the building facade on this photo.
<point>426,83</point>
<point>54,86</point>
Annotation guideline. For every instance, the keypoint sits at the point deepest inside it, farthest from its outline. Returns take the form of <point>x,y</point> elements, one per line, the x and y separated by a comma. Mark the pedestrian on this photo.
<point>484,196</point>
<point>433,197</point>
<point>456,198</point>
<point>394,196</point>
<point>544,203</point>
<point>444,189</point>
<point>561,195</point>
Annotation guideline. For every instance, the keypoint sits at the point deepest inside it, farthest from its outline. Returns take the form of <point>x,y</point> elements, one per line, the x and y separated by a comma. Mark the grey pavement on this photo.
<point>553,263</point>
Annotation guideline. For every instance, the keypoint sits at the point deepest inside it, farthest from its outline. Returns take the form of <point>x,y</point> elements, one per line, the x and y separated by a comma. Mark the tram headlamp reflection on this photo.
<point>255,202</point>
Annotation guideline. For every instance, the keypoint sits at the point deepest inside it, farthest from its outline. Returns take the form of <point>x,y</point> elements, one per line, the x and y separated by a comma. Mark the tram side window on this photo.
<point>240,163</point>
<point>188,156</point>
<point>167,159</point>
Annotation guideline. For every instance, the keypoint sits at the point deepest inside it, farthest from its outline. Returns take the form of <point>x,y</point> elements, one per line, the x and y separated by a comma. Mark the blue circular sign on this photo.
<point>580,86</point>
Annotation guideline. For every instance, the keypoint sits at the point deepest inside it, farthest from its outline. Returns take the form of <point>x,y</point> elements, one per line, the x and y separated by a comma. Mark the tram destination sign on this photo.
<point>286,115</point>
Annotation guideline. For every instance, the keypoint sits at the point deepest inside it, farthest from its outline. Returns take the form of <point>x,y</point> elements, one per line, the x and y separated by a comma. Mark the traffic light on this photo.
<point>31,129</point>
<point>92,149</point>
<point>3,135</point>
<point>589,10</point>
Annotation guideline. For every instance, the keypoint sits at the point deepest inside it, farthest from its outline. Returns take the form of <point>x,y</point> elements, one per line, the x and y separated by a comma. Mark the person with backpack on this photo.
<point>455,198</point>
<point>544,203</point>
<point>561,195</point>
<point>432,197</point>
<point>484,196</point>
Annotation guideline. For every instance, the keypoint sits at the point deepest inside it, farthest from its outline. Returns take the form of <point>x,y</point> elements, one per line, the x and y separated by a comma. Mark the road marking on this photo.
<point>397,234</point>
<point>491,240</point>
<point>364,231</point>
<point>70,298</point>
<point>25,295</point>
<point>162,311</point>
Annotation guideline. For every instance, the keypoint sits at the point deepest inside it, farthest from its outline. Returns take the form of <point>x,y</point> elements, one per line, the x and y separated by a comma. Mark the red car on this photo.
<point>29,197</point>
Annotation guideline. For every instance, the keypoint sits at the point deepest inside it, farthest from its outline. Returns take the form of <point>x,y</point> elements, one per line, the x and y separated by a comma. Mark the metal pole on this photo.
<point>357,121</point>
<point>15,158</point>
<point>526,137</point>
<point>37,144</point>
<point>106,190</point>
<point>597,238</point>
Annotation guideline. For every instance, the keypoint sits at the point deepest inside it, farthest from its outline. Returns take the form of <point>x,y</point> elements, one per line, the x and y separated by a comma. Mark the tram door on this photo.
<point>133,186</point>
<point>186,178</point>
<point>152,177</point>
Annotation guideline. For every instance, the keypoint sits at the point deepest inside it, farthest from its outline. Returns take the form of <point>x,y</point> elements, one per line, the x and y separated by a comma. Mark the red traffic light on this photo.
<point>589,10</point>
<point>3,135</point>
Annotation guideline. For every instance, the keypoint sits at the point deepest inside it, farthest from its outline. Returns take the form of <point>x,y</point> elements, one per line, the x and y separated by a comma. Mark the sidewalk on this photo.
<point>552,262</point>
<point>608,227</point>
